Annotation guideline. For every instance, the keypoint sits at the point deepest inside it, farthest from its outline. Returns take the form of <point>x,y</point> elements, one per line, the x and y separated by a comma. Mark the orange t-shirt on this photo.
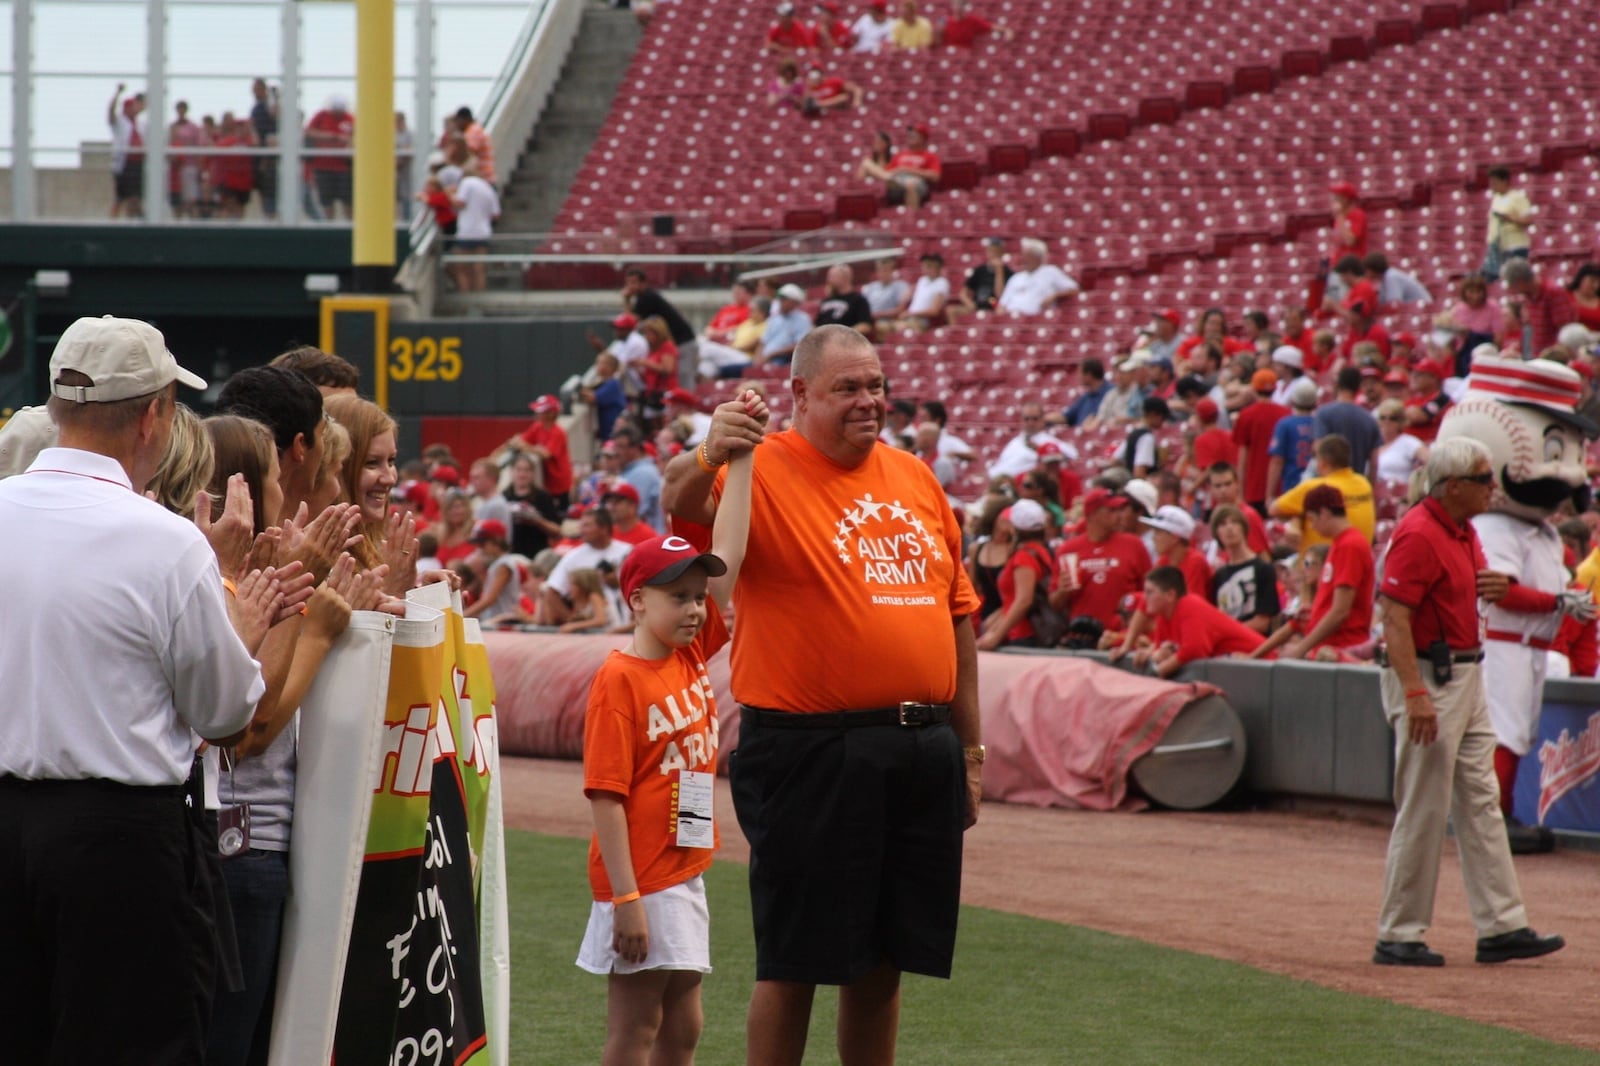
<point>850,585</point>
<point>648,719</point>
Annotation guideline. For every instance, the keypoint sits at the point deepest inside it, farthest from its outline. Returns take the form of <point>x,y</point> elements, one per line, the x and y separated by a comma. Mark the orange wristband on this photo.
<point>628,898</point>
<point>1416,692</point>
<point>228,584</point>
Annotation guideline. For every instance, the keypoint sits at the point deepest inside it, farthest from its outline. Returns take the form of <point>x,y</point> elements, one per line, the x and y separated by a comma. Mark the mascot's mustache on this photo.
<point>1545,493</point>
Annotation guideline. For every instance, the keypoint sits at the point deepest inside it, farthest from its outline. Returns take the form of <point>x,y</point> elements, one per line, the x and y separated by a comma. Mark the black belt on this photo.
<point>1473,656</point>
<point>911,715</point>
<point>92,784</point>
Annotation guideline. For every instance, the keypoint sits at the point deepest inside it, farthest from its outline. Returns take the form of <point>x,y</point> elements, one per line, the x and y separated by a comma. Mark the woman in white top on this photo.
<point>1400,453</point>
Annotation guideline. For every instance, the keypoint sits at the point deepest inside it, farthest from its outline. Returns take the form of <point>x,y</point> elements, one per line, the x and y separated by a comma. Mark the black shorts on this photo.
<point>855,847</point>
<point>128,183</point>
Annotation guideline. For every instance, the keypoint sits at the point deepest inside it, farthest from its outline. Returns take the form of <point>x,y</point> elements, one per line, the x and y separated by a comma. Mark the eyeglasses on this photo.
<point>1478,479</point>
<point>1390,418</point>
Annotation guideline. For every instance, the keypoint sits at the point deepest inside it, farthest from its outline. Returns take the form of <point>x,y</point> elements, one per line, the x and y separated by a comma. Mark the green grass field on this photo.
<point>1024,992</point>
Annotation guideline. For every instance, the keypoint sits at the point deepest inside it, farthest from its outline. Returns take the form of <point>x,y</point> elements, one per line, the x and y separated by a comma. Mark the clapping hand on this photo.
<point>231,535</point>
<point>317,544</point>
<point>400,553</point>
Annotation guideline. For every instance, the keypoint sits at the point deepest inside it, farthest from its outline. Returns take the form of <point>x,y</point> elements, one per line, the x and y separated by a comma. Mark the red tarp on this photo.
<point>1061,731</point>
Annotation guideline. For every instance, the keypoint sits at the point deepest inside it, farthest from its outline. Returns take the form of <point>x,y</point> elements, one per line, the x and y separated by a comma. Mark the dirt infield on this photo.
<point>1290,893</point>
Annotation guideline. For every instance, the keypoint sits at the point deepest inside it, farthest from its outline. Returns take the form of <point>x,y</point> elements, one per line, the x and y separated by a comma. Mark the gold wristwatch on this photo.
<point>976,754</point>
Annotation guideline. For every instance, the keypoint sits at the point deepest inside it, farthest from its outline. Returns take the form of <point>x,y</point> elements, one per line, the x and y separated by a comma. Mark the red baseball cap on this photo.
<point>545,403</point>
<point>609,448</point>
<point>1370,372</point>
<point>625,321</point>
<point>1170,315</point>
<point>1050,450</point>
<point>683,396</point>
<point>577,510</point>
<point>1205,409</point>
<point>1345,189</point>
<point>829,6</point>
<point>413,492</point>
<point>662,561</point>
<point>1396,377</point>
<point>1428,366</point>
<point>622,490</point>
<point>1098,499</point>
<point>1323,498</point>
<point>879,5</point>
<point>489,529</point>
<point>1406,338</point>
<point>920,127</point>
<point>445,474</point>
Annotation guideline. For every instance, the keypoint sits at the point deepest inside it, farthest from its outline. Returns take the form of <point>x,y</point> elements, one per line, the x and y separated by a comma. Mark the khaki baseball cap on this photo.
<point>123,356</point>
<point>23,437</point>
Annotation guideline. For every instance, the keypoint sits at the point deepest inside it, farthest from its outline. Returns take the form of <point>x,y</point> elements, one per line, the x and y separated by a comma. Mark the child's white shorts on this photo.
<point>680,933</point>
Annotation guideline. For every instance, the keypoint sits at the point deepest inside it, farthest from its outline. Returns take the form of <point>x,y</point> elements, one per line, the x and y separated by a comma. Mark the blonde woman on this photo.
<point>590,612</point>
<point>369,475</point>
<point>186,467</point>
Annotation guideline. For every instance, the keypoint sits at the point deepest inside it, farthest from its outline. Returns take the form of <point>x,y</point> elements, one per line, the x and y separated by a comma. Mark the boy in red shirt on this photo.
<point>1173,532</point>
<point>1341,614</point>
<point>649,770</point>
<point>1189,628</point>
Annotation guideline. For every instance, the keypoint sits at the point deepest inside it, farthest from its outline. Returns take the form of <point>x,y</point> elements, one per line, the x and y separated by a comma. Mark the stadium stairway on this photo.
<point>594,71</point>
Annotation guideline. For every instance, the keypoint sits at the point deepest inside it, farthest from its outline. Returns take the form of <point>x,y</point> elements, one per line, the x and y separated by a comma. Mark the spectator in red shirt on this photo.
<point>1360,309</point>
<point>1297,333</point>
<point>1213,334</point>
<point>234,176</point>
<point>1536,308</point>
<point>1252,432</point>
<point>789,35</point>
<point>1349,223</point>
<point>1427,404</point>
<point>831,30</point>
<point>547,441</point>
<point>1099,568</point>
<point>827,92</point>
<point>1172,529</point>
<point>911,173</point>
<point>1212,444</point>
<point>1024,577</point>
<point>962,29</point>
<point>332,127</point>
<point>1187,627</point>
<point>658,370</point>
<point>1341,614</point>
<point>1053,464</point>
<point>731,315</point>
<point>621,500</point>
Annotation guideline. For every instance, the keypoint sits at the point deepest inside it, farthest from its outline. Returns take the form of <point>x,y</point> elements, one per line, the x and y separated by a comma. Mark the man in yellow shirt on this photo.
<point>1589,573</point>
<point>1333,465</point>
<point>911,31</point>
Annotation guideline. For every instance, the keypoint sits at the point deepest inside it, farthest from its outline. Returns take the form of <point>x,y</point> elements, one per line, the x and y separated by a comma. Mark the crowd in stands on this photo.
<point>216,168</point>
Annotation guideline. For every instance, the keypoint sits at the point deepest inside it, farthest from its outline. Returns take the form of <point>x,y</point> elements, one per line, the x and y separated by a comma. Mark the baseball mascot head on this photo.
<point>1526,414</point>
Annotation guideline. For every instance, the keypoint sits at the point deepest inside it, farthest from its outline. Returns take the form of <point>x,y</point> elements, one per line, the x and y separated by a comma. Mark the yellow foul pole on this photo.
<point>373,233</point>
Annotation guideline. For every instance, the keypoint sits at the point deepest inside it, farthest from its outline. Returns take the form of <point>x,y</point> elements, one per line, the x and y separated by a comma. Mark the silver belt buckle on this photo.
<point>913,713</point>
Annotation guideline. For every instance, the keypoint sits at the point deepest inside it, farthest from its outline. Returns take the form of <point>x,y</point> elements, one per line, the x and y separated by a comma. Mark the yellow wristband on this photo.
<point>629,898</point>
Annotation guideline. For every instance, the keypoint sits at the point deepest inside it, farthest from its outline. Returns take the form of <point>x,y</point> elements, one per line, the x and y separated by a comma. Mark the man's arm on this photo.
<point>111,109</point>
<point>1422,721</point>
<point>964,713</point>
<point>686,487</point>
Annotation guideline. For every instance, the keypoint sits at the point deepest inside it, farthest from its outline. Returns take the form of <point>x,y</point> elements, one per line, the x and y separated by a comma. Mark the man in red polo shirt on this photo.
<point>1341,615</point>
<point>1187,627</point>
<point>1433,696</point>
<point>1252,432</point>
<point>1100,567</point>
<point>1537,305</point>
<point>548,442</point>
<point>962,29</point>
<point>1213,444</point>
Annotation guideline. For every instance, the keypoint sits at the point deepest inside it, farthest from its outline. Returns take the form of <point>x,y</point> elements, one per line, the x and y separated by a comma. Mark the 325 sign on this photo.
<point>424,358</point>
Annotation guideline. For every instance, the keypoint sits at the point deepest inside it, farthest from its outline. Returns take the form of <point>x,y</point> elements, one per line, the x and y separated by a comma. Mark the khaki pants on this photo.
<point>1452,777</point>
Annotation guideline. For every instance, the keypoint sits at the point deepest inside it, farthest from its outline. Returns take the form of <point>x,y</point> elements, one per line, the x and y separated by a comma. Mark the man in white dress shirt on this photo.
<point>117,650</point>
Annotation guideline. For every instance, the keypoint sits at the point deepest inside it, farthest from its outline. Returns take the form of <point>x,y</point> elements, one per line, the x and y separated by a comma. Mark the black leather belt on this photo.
<point>1473,656</point>
<point>908,714</point>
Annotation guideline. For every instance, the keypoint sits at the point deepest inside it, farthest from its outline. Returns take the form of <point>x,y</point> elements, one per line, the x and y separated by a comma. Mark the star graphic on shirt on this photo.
<point>869,508</point>
<point>898,513</point>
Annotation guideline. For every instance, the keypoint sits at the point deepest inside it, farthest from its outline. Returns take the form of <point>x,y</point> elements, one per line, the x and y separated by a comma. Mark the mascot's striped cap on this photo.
<point>1544,384</point>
